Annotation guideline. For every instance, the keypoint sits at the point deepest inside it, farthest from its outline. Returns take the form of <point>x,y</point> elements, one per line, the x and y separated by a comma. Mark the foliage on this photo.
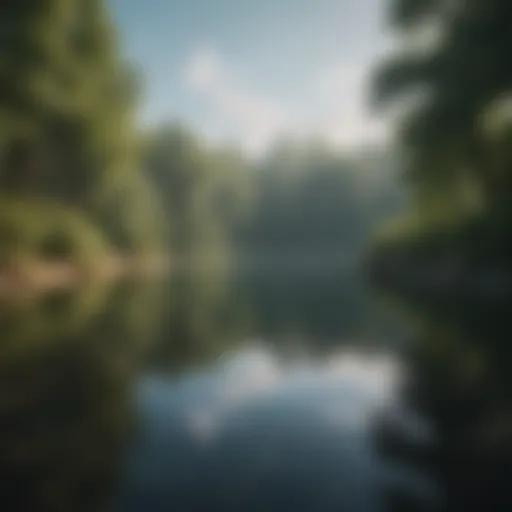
<point>458,80</point>
<point>67,117</point>
<point>454,89</point>
<point>45,230</point>
<point>201,190</point>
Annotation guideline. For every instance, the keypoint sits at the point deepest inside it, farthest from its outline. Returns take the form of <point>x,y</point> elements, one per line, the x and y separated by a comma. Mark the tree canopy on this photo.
<point>67,123</point>
<point>459,77</point>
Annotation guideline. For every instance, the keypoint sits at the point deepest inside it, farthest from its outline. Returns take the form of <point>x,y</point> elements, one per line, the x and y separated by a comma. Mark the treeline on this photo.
<point>301,200</point>
<point>310,201</point>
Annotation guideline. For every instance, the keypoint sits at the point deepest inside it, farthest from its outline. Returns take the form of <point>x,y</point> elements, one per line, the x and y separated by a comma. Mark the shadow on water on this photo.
<point>459,381</point>
<point>260,392</point>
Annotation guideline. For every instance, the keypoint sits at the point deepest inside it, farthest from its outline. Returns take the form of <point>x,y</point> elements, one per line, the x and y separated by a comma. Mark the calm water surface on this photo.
<point>266,392</point>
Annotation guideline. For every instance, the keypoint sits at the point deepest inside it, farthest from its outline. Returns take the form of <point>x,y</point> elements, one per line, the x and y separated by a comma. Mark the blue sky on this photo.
<point>248,72</point>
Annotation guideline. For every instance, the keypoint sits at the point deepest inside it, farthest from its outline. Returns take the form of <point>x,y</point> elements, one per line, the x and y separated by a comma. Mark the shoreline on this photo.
<point>448,280</point>
<point>39,276</point>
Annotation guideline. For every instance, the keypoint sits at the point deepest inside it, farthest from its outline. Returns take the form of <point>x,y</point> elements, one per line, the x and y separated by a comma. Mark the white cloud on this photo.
<point>204,70</point>
<point>336,110</point>
<point>255,119</point>
<point>344,120</point>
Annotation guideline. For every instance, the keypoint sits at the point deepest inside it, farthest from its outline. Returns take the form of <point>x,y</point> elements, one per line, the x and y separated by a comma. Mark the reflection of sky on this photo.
<point>257,433</point>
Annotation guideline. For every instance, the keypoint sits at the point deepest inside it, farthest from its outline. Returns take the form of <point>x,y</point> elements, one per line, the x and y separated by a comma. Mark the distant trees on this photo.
<point>309,199</point>
<point>300,200</point>
<point>203,192</point>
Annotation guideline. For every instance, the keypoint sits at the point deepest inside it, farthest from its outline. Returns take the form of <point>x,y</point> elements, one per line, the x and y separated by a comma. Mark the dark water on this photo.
<point>268,391</point>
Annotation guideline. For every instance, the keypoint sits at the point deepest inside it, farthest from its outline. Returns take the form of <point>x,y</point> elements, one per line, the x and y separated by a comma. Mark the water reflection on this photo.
<point>65,398</point>
<point>202,317</point>
<point>206,315</point>
<point>258,431</point>
<point>460,382</point>
<point>269,392</point>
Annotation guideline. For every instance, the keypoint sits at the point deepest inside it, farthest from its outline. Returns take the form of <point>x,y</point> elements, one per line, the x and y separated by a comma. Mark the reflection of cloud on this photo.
<point>244,377</point>
<point>376,375</point>
<point>340,415</point>
<point>374,379</point>
<point>334,112</point>
<point>203,424</point>
<point>364,383</point>
<point>252,374</point>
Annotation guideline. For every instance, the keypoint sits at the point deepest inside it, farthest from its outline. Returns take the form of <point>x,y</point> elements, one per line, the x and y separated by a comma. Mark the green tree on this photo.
<point>67,115</point>
<point>456,79</point>
<point>202,191</point>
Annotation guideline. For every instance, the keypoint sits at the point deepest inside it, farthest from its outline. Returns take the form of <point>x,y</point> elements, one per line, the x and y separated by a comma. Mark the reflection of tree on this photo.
<point>64,396</point>
<point>29,321</point>
<point>207,312</point>
<point>461,383</point>
<point>203,317</point>
<point>61,416</point>
<point>315,304</point>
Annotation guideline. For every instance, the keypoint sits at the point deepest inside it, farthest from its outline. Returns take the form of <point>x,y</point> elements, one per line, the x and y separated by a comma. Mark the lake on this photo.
<point>255,391</point>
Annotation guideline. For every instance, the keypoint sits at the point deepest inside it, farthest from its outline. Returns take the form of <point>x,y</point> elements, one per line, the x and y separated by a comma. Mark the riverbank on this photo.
<point>469,257</point>
<point>33,277</point>
<point>442,278</point>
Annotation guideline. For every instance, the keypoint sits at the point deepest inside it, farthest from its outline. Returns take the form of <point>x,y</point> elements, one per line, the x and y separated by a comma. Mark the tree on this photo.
<point>67,115</point>
<point>202,191</point>
<point>458,78</point>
